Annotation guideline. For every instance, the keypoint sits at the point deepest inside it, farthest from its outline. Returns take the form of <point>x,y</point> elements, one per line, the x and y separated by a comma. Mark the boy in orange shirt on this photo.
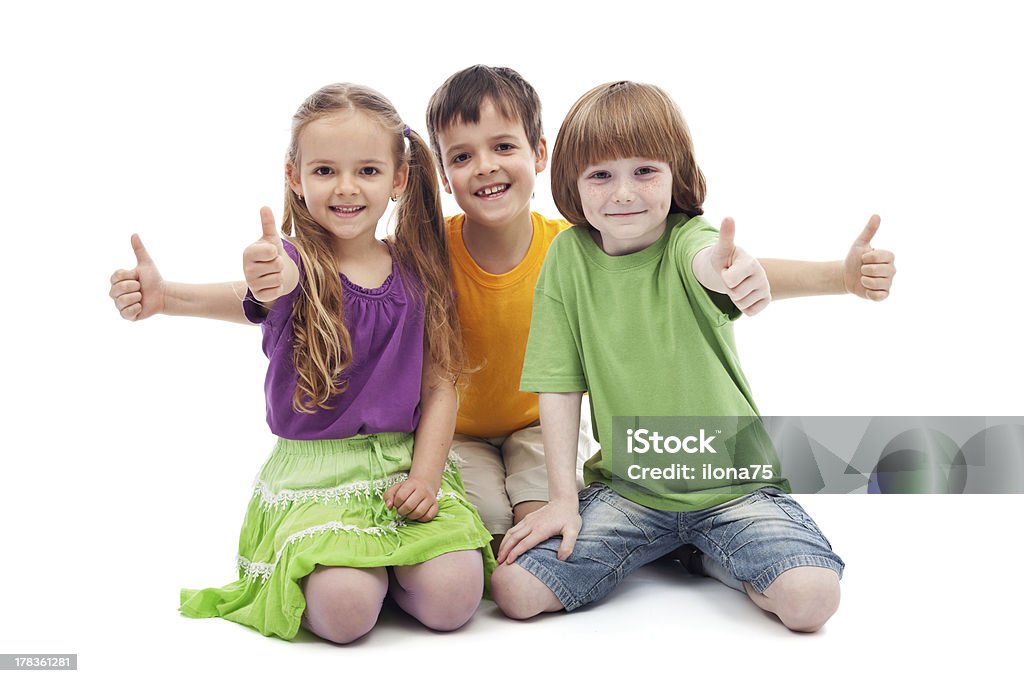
<point>485,128</point>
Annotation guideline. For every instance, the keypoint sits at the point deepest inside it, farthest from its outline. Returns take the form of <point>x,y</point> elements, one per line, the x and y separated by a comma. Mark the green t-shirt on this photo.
<point>645,338</point>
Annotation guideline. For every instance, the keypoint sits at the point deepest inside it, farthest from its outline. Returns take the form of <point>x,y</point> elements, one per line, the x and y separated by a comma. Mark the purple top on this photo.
<point>383,392</point>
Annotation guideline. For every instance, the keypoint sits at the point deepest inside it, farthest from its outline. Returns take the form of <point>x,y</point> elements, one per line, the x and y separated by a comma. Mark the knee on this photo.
<point>810,596</point>
<point>518,593</point>
<point>453,609</point>
<point>452,615</point>
<point>338,626</point>
<point>444,593</point>
<point>343,604</point>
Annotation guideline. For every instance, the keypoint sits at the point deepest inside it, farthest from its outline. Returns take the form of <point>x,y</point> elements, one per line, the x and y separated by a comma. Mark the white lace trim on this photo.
<point>254,569</point>
<point>263,570</point>
<point>335,494</point>
<point>450,494</point>
<point>359,489</point>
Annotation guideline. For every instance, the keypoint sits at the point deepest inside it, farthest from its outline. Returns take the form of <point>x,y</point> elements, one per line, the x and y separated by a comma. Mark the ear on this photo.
<point>292,174</point>
<point>401,180</point>
<point>541,153</point>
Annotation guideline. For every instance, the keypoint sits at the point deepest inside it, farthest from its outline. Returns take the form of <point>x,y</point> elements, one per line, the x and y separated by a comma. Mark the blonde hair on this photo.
<point>622,120</point>
<point>322,347</point>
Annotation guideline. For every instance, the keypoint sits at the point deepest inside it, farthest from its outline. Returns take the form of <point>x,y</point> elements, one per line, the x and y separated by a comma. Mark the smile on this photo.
<point>492,190</point>
<point>626,215</point>
<point>347,210</point>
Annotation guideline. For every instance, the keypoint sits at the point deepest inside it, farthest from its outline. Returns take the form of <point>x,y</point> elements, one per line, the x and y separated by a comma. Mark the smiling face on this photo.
<point>627,201</point>
<point>346,171</point>
<point>490,167</point>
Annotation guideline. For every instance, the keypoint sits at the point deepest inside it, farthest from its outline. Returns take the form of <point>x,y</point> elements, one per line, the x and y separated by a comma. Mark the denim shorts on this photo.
<point>755,537</point>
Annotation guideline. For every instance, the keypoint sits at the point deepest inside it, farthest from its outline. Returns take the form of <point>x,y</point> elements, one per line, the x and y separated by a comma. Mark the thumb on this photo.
<point>567,545</point>
<point>141,255</point>
<point>726,244</point>
<point>270,233</point>
<point>864,239</point>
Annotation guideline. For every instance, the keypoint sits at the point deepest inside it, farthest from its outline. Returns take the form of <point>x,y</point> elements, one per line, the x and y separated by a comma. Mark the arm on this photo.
<point>218,301</point>
<point>416,497</point>
<point>803,278</point>
<point>141,292</point>
<point>866,272</point>
<point>560,425</point>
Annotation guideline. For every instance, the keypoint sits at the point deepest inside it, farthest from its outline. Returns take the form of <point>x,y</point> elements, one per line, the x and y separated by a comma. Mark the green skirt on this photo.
<point>322,503</point>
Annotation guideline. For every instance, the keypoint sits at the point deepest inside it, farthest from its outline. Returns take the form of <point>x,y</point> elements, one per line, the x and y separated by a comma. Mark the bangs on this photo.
<point>460,99</point>
<point>467,110</point>
<point>623,122</point>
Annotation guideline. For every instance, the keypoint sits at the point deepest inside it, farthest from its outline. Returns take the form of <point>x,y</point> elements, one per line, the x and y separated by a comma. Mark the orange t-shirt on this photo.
<point>494,312</point>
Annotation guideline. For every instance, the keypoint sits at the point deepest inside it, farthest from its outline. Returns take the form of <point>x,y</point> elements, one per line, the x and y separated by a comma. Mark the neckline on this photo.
<point>382,288</point>
<point>365,291</point>
<point>638,258</point>
<point>494,280</point>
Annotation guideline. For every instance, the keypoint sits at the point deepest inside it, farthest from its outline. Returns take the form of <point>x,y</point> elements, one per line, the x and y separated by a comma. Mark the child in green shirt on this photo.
<point>634,305</point>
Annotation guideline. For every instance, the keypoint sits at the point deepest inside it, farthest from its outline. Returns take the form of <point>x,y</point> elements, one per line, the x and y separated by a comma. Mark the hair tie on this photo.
<point>406,131</point>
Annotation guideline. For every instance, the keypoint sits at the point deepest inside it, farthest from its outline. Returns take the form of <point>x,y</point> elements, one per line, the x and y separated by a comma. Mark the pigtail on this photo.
<point>421,245</point>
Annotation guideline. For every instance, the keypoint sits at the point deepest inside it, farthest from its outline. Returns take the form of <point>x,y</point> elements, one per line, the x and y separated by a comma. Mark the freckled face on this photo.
<point>627,201</point>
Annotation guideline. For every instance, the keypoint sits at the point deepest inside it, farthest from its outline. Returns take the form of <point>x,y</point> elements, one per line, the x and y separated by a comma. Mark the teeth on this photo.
<point>346,209</point>
<point>487,191</point>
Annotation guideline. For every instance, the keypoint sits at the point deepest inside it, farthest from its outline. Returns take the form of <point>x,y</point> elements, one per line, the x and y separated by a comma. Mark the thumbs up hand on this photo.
<point>269,272</point>
<point>738,274</point>
<point>139,292</point>
<point>868,272</point>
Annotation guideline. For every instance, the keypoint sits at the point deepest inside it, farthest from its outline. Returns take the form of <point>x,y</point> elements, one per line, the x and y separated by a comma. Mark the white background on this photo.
<point>130,448</point>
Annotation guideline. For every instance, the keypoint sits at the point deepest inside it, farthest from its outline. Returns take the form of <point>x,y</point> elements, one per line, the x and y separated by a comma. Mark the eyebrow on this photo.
<point>331,162</point>
<point>642,162</point>
<point>490,140</point>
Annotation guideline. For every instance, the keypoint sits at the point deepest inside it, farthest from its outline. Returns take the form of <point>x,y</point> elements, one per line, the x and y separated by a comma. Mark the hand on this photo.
<point>414,499</point>
<point>868,272</point>
<point>138,293</point>
<point>263,261</point>
<point>554,519</point>
<point>743,276</point>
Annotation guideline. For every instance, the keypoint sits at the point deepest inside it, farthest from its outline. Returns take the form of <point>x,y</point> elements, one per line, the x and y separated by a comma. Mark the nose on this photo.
<point>486,163</point>
<point>345,184</point>
<point>623,191</point>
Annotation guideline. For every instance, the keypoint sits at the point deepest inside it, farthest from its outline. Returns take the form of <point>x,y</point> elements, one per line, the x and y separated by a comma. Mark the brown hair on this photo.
<point>622,120</point>
<point>322,348</point>
<point>460,98</point>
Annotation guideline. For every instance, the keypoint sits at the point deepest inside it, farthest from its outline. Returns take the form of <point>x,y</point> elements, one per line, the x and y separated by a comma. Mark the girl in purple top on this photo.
<point>358,498</point>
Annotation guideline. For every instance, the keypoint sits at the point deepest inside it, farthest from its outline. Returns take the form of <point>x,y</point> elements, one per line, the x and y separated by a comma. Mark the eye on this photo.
<point>459,158</point>
<point>370,170</point>
<point>322,170</point>
<point>600,175</point>
<point>504,147</point>
<point>646,170</point>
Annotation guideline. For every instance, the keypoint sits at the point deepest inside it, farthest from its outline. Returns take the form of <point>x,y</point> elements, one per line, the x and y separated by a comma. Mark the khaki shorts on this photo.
<point>501,472</point>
